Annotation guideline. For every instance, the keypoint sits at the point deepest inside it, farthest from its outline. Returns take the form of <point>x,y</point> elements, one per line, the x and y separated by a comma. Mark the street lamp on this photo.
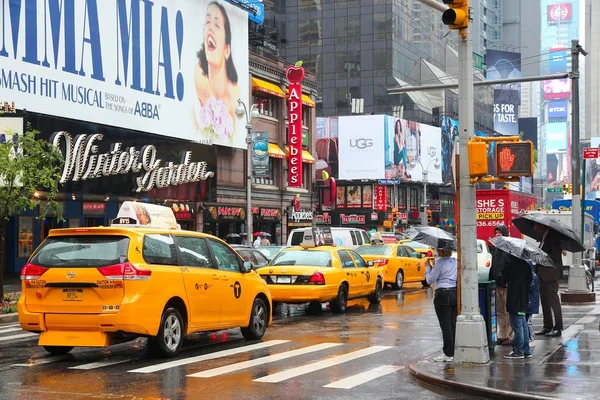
<point>425,177</point>
<point>242,111</point>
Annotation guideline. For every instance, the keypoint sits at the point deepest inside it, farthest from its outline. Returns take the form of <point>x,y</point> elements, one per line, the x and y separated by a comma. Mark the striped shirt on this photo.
<point>443,274</point>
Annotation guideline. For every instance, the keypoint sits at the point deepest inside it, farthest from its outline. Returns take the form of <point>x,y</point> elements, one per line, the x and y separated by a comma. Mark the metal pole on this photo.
<point>471,344</point>
<point>434,4</point>
<point>583,179</point>
<point>576,275</point>
<point>424,216</point>
<point>249,181</point>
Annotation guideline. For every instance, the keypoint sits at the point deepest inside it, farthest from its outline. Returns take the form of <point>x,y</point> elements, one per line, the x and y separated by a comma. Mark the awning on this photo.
<point>275,151</point>
<point>267,87</point>
<point>306,156</point>
<point>307,101</point>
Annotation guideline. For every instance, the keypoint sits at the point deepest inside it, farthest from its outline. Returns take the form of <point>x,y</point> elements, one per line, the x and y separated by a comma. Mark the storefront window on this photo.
<point>267,105</point>
<point>414,199</point>
<point>402,198</point>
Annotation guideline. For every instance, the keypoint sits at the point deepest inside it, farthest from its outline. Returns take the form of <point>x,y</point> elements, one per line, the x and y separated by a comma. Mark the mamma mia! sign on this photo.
<point>170,67</point>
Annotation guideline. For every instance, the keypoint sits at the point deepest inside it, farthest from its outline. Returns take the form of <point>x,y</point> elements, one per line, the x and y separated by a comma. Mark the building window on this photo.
<point>267,105</point>
<point>414,199</point>
<point>402,198</point>
<point>306,181</point>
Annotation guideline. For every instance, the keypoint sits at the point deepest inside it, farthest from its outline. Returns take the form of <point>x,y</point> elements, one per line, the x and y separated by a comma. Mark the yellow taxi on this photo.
<point>401,262</point>
<point>425,251</point>
<point>142,276</point>
<point>319,274</point>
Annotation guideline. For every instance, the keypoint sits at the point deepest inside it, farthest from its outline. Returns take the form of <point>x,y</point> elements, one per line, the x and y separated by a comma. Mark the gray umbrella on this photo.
<point>409,233</point>
<point>435,237</point>
<point>232,235</point>
<point>568,239</point>
<point>522,249</point>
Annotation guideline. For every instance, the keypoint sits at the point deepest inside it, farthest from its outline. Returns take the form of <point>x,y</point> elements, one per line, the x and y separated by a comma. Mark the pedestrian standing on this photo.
<point>264,241</point>
<point>257,241</point>
<point>549,278</point>
<point>518,278</point>
<point>534,303</point>
<point>500,260</point>
<point>443,276</point>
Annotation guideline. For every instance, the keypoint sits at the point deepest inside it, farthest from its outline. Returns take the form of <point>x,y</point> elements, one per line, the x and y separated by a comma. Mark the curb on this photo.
<point>6,318</point>
<point>469,389</point>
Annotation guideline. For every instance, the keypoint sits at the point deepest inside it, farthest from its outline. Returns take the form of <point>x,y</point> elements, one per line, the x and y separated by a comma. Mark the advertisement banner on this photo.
<point>367,197</point>
<point>449,132</point>
<point>556,136</point>
<point>503,65</point>
<point>380,198</point>
<point>295,75</point>
<point>557,89</point>
<point>559,13</point>
<point>593,179</point>
<point>172,68</point>
<point>260,155</point>
<point>559,24</point>
<point>557,109</point>
<point>557,61</point>
<point>431,145</point>
<point>361,147</point>
<point>528,130</point>
<point>353,196</point>
<point>506,112</point>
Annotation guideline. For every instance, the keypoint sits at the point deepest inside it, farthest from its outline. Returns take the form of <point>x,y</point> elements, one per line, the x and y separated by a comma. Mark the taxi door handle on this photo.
<point>362,272</point>
<point>215,277</point>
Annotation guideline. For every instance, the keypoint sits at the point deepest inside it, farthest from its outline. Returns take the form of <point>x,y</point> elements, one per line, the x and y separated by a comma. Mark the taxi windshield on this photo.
<point>317,258</point>
<point>82,251</point>
<point>375,250</point>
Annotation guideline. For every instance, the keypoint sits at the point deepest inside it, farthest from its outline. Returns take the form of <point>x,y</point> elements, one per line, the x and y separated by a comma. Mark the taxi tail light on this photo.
<point>487,264</point>
<point>381,262</point>
<point>317,279</point>
<point>125,271</point>
<point>31,272</point>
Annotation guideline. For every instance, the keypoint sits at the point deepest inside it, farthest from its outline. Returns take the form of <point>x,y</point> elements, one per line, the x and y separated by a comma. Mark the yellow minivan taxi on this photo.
<point>100,286</point>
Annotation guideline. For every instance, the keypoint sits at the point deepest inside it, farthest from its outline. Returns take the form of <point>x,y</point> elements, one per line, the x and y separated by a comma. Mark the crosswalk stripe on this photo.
<point>41,361</point>
<point>6,330</point>
<point>98,364</point>
<point>319,365</point>
<point>19,336</point>
<point>364,377</point>
<point>9,325</point>
<point>205,357</point>
<point>263,360</point>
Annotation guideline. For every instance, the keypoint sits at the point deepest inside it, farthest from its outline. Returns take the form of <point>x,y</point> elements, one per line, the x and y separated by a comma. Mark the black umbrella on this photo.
<point>568,238</point>
<point>409,233</point>
<point>435,237</point>
<point>522,249</point>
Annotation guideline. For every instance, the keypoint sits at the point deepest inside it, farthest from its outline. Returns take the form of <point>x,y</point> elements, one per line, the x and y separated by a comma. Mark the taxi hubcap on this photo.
<point>258,320</point>
<point>399,278</point>
<point>172,332</point>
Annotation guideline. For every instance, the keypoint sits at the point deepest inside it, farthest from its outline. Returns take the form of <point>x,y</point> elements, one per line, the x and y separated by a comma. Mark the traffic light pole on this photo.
<point>471,344</point>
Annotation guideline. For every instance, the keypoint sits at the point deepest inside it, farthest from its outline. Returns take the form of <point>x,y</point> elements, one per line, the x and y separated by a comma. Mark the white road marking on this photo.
<point>6,330</point>
<point>263,360</point>
<point>319,365</point>
<point>588,319</point>
<point>364,377</point>
<point>19,336</point>
<point>98,364</point>
<point>9,325</point>
<point>211,356</point>
<point>41,361</point>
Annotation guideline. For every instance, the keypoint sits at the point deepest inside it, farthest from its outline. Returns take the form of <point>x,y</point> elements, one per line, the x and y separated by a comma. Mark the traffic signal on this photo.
<point>514,159</point>
<point>457,15</point>
<point>429,217</point>
<point>394,213</point>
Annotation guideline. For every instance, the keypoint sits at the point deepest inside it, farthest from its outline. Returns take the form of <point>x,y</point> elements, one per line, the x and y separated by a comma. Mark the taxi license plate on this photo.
<point>72,294</point>
<point>284,279</point>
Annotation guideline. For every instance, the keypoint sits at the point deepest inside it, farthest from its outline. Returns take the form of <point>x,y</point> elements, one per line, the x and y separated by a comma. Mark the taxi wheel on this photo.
<point>377,295</point>
<point>339,304</point>
<point>170,334</point>
<point>258,321</point>
<point>399,280</point>
<point>58,350</point>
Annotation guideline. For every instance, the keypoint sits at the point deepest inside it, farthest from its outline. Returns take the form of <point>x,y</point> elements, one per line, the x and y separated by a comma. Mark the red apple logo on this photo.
<point>295,73</point>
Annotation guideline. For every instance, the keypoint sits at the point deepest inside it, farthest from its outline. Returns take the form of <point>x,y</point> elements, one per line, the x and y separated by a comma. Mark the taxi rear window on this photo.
<point>317,258</point>
<point>374,250</point>
<point>81,251</point>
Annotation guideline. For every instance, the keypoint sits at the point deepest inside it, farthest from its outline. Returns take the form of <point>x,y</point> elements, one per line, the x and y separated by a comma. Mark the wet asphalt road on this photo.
<point>363,354</point>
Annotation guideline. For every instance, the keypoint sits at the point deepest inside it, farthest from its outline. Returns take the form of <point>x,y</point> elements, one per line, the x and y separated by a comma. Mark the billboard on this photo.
<point>528,130</point>
<point>559,13</point>
<point>506,111</point>
<point>558,109</point>
<point>559,24</point>
<point>172,68</point>
<point>260,155</point>
<point>449,131</point>
<point>361,146</point>
<point>503,65</point>
<point>557,89</point>
<point>556,136</point>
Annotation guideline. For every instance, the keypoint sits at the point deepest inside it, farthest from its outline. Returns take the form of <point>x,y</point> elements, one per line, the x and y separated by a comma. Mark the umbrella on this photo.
<point>409,233</point>
<point>261,234</point>
<point>522,249</point>
<point>568,238</point>
<point>435,237</point>
<point>232,235</point>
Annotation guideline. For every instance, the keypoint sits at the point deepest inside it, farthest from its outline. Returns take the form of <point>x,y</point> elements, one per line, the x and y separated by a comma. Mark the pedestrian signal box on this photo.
<point>478,162</point>
<point>514,159</point>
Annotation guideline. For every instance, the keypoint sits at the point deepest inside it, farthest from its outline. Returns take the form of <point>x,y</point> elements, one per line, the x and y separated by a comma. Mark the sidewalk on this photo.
<point>12,283</point>
<point>561,368</point>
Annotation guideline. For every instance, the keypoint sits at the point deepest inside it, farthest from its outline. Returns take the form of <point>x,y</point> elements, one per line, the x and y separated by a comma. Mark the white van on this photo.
<point>343,237</point>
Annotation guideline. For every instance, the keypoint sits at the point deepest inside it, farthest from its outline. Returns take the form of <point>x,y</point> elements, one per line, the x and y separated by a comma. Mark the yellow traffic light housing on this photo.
<point>514,159</point>
<point>478,163</point>
<point>457,15</point>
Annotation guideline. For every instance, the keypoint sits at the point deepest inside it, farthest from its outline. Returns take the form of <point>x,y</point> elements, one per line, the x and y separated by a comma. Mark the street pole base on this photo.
<point>570,297</point>
<point>471,345</point>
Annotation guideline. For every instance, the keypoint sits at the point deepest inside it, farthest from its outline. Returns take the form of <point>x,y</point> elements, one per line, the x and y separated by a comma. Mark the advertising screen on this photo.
<point>361,147</point>
<point>557,89</point>
<point>172,68</point>
<point>506,111</point>
<point>556,136</point>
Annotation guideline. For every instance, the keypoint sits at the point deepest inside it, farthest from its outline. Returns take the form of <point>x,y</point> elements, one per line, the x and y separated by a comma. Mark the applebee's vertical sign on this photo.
<point>295,74</point>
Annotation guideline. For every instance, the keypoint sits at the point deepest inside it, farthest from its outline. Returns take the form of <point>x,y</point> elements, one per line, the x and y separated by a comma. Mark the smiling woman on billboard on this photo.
<point>216,78</point>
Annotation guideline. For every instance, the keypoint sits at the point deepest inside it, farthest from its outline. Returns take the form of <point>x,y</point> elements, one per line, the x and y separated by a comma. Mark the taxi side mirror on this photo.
<point>246,267</point>
<point>370,263</point>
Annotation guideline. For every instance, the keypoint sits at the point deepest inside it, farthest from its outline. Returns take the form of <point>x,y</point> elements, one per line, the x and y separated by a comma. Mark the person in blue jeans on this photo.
<point>534,303</point>
<point>517,276</point>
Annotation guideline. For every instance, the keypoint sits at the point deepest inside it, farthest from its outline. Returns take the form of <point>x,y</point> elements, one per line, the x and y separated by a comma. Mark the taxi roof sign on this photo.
<point>133,213</point>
